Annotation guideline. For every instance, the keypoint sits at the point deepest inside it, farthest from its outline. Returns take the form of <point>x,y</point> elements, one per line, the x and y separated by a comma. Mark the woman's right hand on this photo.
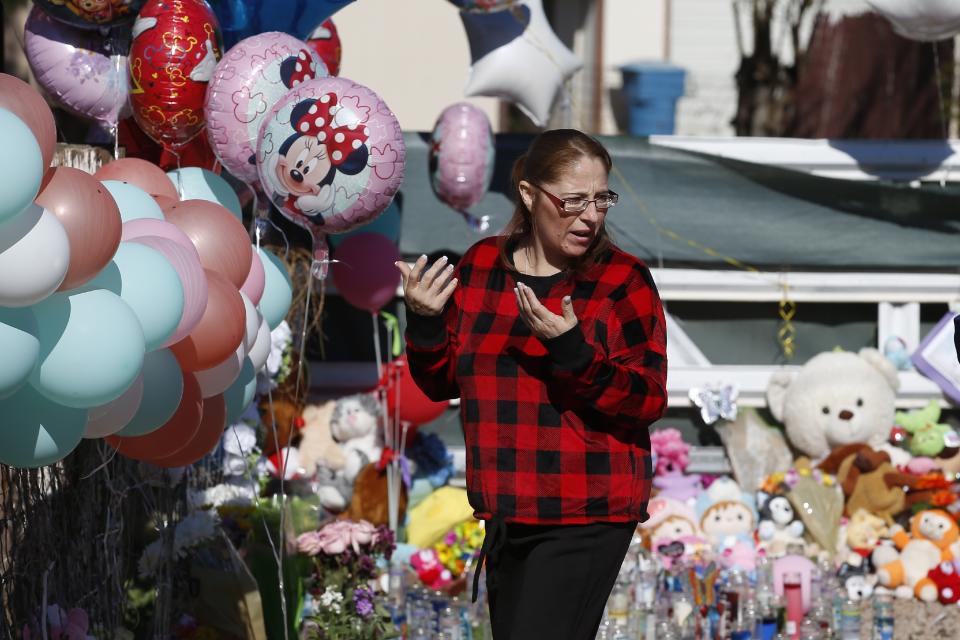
<point>426,291</point>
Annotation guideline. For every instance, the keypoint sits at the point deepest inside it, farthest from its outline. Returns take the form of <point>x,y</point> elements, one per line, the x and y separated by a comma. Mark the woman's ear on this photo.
<point>526,194</point>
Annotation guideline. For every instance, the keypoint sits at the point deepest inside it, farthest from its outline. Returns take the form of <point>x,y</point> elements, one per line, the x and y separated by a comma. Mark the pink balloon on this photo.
<point>364,272</point>
<point>256,280</point>
<point>141,227</point>
<point>27,104</point>
<point>253,75</point>
<point>187,264</point>
<point>461,156</point>
<point>351,154</point>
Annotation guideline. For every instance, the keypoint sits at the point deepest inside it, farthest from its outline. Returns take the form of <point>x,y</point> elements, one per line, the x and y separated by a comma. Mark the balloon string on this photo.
<point>278,552</point>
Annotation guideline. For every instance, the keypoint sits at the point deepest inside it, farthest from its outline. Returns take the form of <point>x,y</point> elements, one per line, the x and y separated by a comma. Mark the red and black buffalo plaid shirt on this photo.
<point>556,431</point>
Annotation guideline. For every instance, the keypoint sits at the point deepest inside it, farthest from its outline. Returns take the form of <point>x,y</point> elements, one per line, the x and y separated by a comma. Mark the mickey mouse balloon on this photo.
<point>330,157</point>
<point>91,14</point>
<point>174,52</point>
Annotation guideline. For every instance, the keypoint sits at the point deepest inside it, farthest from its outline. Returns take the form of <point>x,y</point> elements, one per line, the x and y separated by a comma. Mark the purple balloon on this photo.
<point>461,156</point>
<point>364,273</point>
<point>77,67</point>
<point>253,75</point>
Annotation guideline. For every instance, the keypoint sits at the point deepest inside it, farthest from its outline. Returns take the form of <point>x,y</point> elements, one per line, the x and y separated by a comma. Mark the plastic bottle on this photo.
<point>794,598</point>
<point>850,620</point>
<point>882,617</point>
<point>810,630</point>
<point>618,604</point>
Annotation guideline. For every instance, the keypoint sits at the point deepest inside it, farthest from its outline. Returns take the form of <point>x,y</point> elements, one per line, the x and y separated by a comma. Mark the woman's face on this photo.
<point>565,237</point>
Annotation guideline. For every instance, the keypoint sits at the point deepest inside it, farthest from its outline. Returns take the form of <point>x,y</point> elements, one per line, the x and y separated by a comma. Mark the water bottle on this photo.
<point>882,617</point>
<point>850,621</point>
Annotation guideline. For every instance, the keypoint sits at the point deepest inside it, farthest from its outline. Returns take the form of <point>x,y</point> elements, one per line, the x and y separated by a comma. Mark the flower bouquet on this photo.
<point>344,579</point>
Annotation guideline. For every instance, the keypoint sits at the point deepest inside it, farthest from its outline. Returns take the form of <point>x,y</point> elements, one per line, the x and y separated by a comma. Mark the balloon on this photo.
<point>252,76</point>
<point>240,394</point>
<point>194,183</point>
<point>925,20</point>
<point>139,173</point>
<point>365,273</point>
<point>217,379</point>
<point>205,440</point>
<point>415,407</point>
<point>162,377</point>
<point>90,217</point>
<point>461,156</point>
<point>260,350</point>
<point>386,224</point>
<point>22,167</point>
<point>173,435</point>
<point>220,239</point>
<point>92,14</point>
<point>330,157</point>
<point>37,432</point>
<point>253,285</point>
<point>150,285</point>
<point>326,42</point>
<point>172,57</point>
<point>151,227</point>
<point>34,257</point>
<point>91,348</point>
<point>243,18</point>
<point>83,71</point>
<point>19,346</point>
<point>134,203</point>
<point>23,101</point>
<point>220,330</point>
<point>277,289</point>
<point>252,319</point>
<point>482,5</point>
<point>112,417</point>
<point>518,59</point>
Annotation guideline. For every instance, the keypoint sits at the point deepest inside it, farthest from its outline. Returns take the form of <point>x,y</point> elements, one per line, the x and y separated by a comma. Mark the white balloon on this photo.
<point>217,379</point>
<point>518,60</point>
<point>34,257</point>
<point>112,417</point>
<point>261,348</point>
<point>925,20</point>
<point>253,323</point>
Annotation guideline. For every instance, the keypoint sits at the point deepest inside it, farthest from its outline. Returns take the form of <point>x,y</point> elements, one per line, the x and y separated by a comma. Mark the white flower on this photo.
<point>222,494</point>
<point>193,530</point>
<point>331,599</point>
<point>234,465</point>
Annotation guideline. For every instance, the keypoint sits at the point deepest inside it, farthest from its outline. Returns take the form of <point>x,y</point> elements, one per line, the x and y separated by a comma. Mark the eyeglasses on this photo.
<point>579,205</point>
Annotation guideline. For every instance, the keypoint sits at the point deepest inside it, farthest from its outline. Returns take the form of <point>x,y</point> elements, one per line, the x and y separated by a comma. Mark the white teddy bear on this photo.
<point>354,426</point>
<point>838,398</point>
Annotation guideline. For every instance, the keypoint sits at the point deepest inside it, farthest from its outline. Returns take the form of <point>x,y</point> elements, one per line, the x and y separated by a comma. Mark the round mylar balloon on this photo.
<point>253,76</point>
<point>134,203</point>
<point>81,69</point>
<point>482,5</point>
<point>386,224</point>
<point>277,290</point>
<point>36,431</point>
<point>326,42</point>
<point>19,346</point>
<point>23,101</point>
<point>240,394</point>
<point>91,348</point>
<point>172,57</point>
<point>22,169</point>
<point>243,18</point>
<point>462,154</point>
<point>162,376</point>
<point>92,14</point>
<point>194,183</point>
<point>34,257</point>
<point>141,174</point>
<point>112,417</point>
<point>330,157</point>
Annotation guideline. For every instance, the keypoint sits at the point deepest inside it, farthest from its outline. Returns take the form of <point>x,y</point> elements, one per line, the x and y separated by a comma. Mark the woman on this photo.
<point>555,342</point>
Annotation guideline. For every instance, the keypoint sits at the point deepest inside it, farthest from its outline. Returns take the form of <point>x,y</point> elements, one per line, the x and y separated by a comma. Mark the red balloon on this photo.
<point>220,239</point>
<point>89,214</point>
<point>141,174</point>
<point>24,102</point>
<point>175,435</point>
<point>415,407</point>
<point>326,42</point>
<point>365,273</point>
<point>221,328</point>
<point>205,440</point>
<point>172,57</point>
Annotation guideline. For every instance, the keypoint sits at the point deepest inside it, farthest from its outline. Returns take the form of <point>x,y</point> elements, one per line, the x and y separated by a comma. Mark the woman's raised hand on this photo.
<point>426,290</point>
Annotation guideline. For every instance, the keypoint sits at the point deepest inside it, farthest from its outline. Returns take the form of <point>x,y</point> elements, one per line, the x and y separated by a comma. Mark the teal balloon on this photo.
<point>35,431</point>
<point>132,201</point>
<point>240,394</point>
<point>195,183</point>
<point>91,348</point>
<point>386,224</point>
<point>149,284</point>
<point>277,289</point>
<point>21,167</point>
<point>162,392</point>
<point>19,346</point>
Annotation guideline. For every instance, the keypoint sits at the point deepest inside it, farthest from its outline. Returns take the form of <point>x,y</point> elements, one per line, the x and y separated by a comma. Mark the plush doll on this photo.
<point>933,538</point>
<point>947,580</point>
<point>354,425</point>
<point>928,490</point>
<point>861,472</point>
<point>727,517</point>
<point>928,436</point>
<point>949,463</point>
<point>779,526</point>
<point>368,499</point>
<point>317,446</point>
<point>858,583</point>
<point>672,530</point>
<point>864,532</point>
<point>672,456</point>
<point>430,459</point>
<point>837,398</point>
<point>430,570</point>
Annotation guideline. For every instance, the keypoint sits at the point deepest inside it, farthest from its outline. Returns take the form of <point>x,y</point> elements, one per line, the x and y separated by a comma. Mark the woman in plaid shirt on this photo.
<point>555,342</point>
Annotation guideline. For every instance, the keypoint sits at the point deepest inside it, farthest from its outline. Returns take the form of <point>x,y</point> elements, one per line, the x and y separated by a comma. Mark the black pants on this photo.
<point>552,582</point>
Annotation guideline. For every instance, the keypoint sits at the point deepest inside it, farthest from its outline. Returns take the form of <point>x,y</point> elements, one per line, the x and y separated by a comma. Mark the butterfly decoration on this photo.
<point>716,402</point>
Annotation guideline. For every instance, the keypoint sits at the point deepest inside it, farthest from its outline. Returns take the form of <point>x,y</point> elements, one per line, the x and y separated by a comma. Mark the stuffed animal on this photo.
<point>928,490</point>
<point>864,532</point>
<point>779,526</point>
<point>430,570</point>
<point>934,538</point>
<point>947,580</point>
<point>354,425</point>
<point>837,398</point>
<point>368,499</point>
<point>858,584</point>
<point>861,472</point>
<point>928,436</point>
<point>672,457</point>
<point>317,446</point>
<point>727,517</point>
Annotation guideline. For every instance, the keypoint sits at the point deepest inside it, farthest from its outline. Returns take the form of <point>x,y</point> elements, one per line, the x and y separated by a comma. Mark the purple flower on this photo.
<point>363,601</point>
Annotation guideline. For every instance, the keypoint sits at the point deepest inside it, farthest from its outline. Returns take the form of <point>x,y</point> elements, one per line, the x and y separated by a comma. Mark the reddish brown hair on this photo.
<point>548,156</point>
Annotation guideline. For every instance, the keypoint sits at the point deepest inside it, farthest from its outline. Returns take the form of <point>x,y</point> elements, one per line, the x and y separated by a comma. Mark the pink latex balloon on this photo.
<point>24,102</point>
<point>186,262</point>
<point>256,279</point>
<point>364,272</point>
<point>461,156</point>
<point>140,227</point>
<point>77,67</point>
<point>330,156</point>
<point>253,75</point>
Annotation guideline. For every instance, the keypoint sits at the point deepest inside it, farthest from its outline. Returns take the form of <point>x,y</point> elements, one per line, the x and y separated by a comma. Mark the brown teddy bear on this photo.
<point>369,501</point>
<point>861,472</point>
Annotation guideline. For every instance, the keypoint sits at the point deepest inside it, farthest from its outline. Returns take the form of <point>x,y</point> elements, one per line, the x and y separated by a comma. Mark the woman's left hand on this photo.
<point>543,323</point>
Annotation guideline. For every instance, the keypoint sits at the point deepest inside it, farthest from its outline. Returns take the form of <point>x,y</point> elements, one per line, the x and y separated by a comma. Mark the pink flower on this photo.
<point>309,543</point>
<point>363,533</point>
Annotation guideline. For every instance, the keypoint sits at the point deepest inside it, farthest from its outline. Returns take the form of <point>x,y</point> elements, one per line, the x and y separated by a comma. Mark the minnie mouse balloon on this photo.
<point>91,14</point>
<point>330,157</point>
<point>252,76</point>
<point>461,156</point>
<point>326,42</point>
<point>174,52</point>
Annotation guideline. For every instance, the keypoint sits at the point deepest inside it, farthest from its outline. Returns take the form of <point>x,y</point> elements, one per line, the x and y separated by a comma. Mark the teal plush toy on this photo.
<point>928,436</point>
